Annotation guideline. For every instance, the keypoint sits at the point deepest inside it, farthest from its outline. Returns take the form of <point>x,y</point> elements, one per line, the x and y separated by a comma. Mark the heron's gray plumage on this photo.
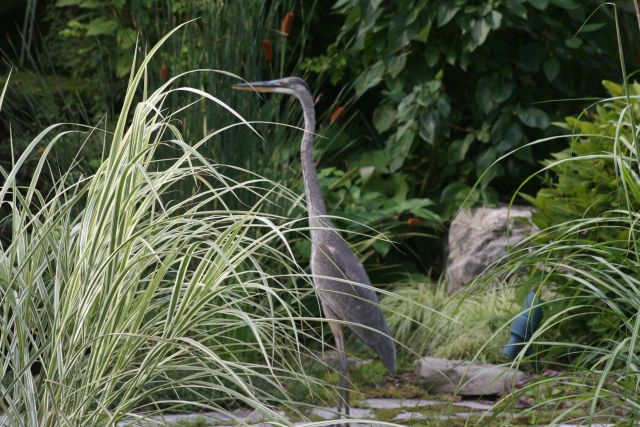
<point>339,278</point>
<point>331,257</point>
<point>352,303</point>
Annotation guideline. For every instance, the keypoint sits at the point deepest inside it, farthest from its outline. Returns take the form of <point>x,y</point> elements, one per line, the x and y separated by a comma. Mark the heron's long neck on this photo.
<point>315,203</point>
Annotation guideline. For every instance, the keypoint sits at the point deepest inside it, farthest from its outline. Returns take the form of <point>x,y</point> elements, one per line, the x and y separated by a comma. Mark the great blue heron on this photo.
<point>337,273</point>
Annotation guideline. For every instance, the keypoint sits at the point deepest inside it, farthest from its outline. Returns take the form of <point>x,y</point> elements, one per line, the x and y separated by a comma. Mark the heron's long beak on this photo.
<point>268,86</point>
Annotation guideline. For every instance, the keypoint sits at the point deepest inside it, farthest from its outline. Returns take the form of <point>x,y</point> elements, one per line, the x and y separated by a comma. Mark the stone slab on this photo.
<point>466,378</point>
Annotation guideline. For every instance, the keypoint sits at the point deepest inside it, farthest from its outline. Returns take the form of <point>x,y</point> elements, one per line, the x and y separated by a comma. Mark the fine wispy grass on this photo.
<point>427,320</point>
<point>118,300</point>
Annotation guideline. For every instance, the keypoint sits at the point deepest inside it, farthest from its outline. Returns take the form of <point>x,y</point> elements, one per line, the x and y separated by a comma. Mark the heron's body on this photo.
<point>339,278</point>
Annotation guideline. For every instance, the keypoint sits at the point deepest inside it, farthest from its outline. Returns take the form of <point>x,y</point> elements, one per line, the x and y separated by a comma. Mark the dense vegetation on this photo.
<point>418,100</point>
<point>436,93</point>
<point>450,86</point>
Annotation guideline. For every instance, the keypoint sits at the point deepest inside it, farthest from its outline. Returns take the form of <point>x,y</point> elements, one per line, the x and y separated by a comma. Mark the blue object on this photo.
<point>524,325</point>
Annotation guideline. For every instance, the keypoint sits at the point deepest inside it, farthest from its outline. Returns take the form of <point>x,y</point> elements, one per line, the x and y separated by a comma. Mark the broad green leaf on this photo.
<point>384,117</point>
<point>587,28</point>
<point>100,26</point>
<point>399,146</point>
<point>428,125</point>
<point>91,4</point>
<point>484,97</point>
<point>454,193</point>
<point>415,203</point>
<point>432,56</point>
<point>366,172</point>
<point>381,247</point>
<point>565,4</point>
<point>533,117</point>
<point>407,108</point>
<point>485,159</point>
<point>517,8</point>
<point>396,65</point>
<point>494,19</point>
<point>443,107</point>
<point>123,64</point>
<point>501,126</point>
<point>303,248</point>
<point>62,3</point>
<point>458,149</point>
<point>375,158</point>
<point>423,34</point>
<point>551,68</point>
<point>512,138</point>
<point>573,42</point>
<point>501,90</point>
<point>539,4</point>
<point>483,133</point>
<point>427,215</point>
<point>393,188</point>
<point>445,13</point>
<point>370,78</point>
<point>126,38</point>
<point>479,31</point>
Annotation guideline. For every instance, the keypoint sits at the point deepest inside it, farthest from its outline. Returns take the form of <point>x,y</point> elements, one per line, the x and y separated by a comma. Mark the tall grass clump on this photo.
<point>427,320</point>
<point>586,261</point>
<point>118,300</point>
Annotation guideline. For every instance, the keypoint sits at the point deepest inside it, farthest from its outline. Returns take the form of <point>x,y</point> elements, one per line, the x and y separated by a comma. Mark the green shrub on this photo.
<point>584,177</point>
<point>587,187</point>
<point>451,85</point>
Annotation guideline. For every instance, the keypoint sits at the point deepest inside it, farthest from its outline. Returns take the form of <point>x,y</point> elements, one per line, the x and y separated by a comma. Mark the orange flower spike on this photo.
<point>337,114</point>
<point>267,49</point>
<point>414,221</point>
<point>164,73</point>
<point>287,24</point>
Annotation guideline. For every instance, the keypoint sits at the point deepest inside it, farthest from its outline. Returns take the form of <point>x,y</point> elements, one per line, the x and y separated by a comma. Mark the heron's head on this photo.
<point>289,85</point>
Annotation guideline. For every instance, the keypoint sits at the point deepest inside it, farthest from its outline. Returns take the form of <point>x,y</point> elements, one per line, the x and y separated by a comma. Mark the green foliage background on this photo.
<point>583,180</point>
<point>451,85</point>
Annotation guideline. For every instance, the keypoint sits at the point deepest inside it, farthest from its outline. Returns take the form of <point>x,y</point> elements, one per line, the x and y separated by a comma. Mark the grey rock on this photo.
<point>242,416</point>
<point>330,413</point>
<point>324,413</point>
<point>406,416</point>
<point>398,403</point>
<point>466,378</point>
<point>474,404</point>
<point>479,237</point>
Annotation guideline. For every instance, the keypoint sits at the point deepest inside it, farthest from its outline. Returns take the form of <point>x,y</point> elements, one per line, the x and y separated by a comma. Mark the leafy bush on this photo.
<point>451,85</point>
<point>583,180</point>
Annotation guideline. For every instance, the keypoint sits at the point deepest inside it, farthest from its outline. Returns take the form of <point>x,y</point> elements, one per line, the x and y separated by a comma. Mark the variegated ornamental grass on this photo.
<point>115,299</point>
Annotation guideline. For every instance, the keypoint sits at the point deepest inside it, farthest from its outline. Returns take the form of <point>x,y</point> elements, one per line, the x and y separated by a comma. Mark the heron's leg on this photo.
<point>343,398</point>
